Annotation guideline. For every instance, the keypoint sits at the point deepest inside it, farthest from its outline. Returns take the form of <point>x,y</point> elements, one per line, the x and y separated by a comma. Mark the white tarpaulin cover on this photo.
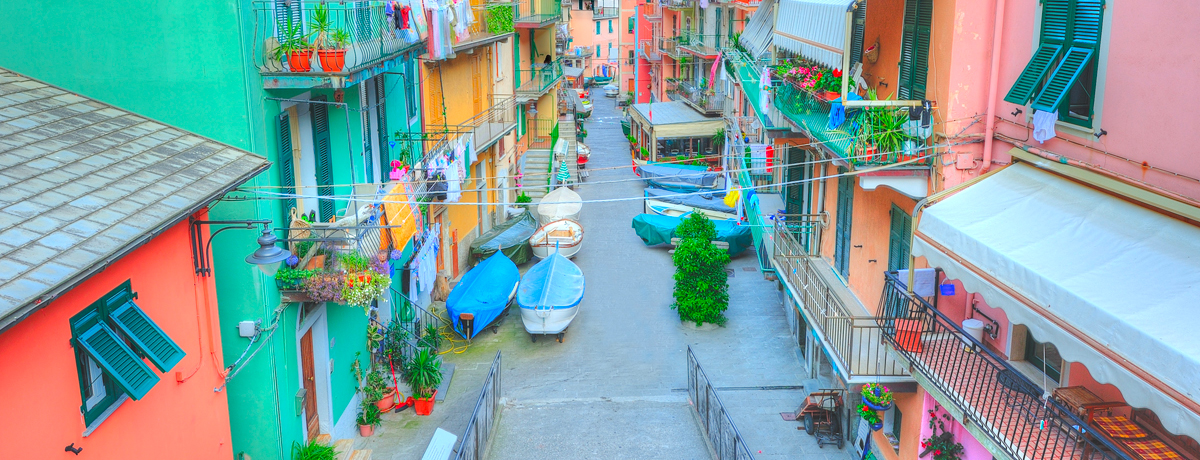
<point>1122,275</point>
<point>562,203</point>
<point>822,23</point>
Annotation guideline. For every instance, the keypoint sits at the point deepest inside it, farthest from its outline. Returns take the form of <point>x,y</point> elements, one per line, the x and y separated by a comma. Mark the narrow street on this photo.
<point>616,388</point>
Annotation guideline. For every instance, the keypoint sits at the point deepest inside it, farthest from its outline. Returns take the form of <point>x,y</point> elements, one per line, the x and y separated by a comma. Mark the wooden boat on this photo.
<point>549,295</point>
<point>561,203</point>
<point>564,236</point>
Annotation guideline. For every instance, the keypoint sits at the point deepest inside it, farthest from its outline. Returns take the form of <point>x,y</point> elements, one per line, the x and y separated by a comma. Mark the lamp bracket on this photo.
<point>201,247</point>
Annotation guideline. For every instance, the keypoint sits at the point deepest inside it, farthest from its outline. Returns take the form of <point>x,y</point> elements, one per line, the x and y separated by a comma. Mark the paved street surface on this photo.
<point>617,387</point>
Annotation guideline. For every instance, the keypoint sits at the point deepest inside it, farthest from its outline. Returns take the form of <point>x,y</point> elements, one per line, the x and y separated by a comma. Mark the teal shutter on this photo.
<point>717,25</point>
<point>899,244</point>
<point>597,27</point>
<point>631,24</point>
<point>1062,79</point>
<point>287,167</point>
<point>287,11</point>
<point>385,146</point>
<point>914,49</point>
<point>118,361</point>
<point>1031,77</point>
<point>610,29</point>
<point>845,211</point>
<point>153,343</point>
<point>856,36</point>
<point>324,158</point>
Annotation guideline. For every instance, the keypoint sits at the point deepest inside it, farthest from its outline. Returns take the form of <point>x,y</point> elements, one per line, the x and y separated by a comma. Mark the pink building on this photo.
<point>595,27</point>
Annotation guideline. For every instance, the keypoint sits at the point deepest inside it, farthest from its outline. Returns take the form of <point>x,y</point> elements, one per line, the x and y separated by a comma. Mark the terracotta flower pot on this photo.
<point>316,262</point>
<point>366,430</point>
<point>832,95</point>
<point>424,406</point>
<point>332,60</point>
<point>300,61</point>
<point>387,402</point>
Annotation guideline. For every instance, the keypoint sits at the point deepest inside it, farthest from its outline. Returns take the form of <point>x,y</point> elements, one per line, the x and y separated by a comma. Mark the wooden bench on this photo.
<point>719,244</point>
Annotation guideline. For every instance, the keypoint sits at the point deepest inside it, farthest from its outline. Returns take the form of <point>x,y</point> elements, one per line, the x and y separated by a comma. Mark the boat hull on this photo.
<point>663,208</point>
<point>548,321</point>
<point>563,235</point>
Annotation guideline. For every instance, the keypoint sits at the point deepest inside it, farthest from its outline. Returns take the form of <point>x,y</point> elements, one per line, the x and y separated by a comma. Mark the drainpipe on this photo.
<point>993,86</point>
<point>637,33</point>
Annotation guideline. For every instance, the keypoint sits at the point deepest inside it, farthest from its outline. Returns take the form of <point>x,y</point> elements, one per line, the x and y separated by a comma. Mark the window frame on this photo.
<point>1093,125</point>
<point>1053,372</point>
<point>93,412</point>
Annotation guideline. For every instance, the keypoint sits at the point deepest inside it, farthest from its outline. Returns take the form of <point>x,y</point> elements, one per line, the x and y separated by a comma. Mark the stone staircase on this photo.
<point>536,164</point>
<point>345,448</point>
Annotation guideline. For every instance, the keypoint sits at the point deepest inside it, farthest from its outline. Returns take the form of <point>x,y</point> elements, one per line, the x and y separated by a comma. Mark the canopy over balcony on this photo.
<point>815,29</point>
<point>1112,284</point>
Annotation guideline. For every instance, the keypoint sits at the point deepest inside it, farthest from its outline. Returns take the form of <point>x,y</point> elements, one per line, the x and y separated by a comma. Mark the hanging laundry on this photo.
<point>468,145</point>
<point>1043,125</point>
<point>453,183</point>
<point>764,95</point>
<point>921,120</point>
<point>390,14</point>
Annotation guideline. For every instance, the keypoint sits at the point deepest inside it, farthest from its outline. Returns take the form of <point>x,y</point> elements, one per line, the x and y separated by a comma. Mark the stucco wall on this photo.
<point>972,449</point>
<point>42,396</point>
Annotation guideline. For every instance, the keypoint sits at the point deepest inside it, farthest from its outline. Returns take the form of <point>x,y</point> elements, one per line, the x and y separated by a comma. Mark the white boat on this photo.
<point>549,295</point>
<point>679,204</point>
<point>564,236</point>
<point>562,203</point>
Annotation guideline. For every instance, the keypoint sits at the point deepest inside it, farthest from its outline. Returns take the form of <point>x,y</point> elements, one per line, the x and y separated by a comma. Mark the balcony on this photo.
<point>536,81</point>
<point>370,44</point>
<point>704,100</point>
<point>535,14</point>
<point>605,12</point>
<point>678,5</point>
<point>652,11</point>
<point>1002,405</point>
<point>581,52</point>
<point>489,126</point>
<point>493,23</point>
<point>745,4</point>
<point>703,46</point>
<point>853,339</point>
<point>651,51</point>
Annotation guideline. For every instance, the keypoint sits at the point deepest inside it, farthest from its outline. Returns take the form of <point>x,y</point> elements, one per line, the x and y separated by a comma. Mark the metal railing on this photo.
<point>473,443</point>
<point>706,45</point>
<point>371,38</point>
<point>539,79</point>
<point>718,426</point>
<point>652,11</point>
<point>492,122</point>
<point>704,100</point>
<point>994,396</point>
<point>678,4</point>
<point>536,13</point>
<point>540,133</point>
<point>855,339</point>
<point>605,12</point>
<point>581,52</point>
<point>414,320</point>
<point>485,26</point>
<point>650,50</point>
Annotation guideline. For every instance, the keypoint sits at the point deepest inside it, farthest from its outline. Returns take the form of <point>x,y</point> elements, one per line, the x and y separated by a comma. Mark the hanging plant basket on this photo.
<point>875,406</point>
<point>876,426</point>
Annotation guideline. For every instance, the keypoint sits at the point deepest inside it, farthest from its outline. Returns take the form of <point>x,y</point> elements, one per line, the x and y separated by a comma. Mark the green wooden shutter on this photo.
<point>324,158</point>
<point>287,167</point>
<point>151,341</point>
<point>1055,18</point>
<point>610,29</point>
<point>856,36</point>
<point>631,18</point>
<point>385,146</point>
<point>1084,38</point>
<point>845,212</point>
<point>597,27</point>
<point>914,49</point>
<point>118,361</point>
<point>286,10</point>
<point>899,244</point>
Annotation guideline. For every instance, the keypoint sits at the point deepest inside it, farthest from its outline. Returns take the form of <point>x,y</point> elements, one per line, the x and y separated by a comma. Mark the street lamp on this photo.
<point>267,257</point>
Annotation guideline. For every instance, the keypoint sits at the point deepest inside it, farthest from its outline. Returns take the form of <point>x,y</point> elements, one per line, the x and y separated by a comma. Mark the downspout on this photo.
<point>926,202</point>
<point>637,33</point>
<point>993,86</point>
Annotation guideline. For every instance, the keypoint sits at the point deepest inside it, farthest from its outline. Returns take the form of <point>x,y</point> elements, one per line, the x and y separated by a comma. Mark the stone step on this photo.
<point>344,448</point>
<point>324,439</point>
<point>363,454</point>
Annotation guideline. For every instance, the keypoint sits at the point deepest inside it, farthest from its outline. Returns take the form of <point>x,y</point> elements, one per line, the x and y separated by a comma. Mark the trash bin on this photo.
<point>974,328</point>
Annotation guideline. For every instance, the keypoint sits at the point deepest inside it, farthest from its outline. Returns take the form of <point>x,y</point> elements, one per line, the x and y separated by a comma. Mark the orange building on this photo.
<point>108,335</point>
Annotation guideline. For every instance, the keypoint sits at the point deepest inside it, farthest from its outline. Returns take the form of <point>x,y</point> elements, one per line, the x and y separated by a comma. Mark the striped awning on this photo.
<point>815,29</point>
<point>759,32</point>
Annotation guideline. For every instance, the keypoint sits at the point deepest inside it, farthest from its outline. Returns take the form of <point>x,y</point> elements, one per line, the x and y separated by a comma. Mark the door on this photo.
<point>311,420</point>
<point>845,209</point>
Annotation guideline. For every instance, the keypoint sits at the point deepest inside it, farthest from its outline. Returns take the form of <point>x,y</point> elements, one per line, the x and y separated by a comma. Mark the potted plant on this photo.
<point>313,450</point>
<point>330,41</point>
<point>424,375</point>
<point>366,278</point>
<point>291,279</point>
<point>870,416</point>
<point>368,418</point>
<point>294,48</point>
<point>877,396</point>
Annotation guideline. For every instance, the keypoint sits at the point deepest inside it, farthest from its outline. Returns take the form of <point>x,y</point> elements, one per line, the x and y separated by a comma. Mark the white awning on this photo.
<point>1115,286</point>
<point>815,29</point>
<point>760,30</point>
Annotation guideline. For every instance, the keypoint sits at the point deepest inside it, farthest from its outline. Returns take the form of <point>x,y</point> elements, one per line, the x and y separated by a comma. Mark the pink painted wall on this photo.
<point>1149,46</point>
<point>972,449</point>
<point>956,308</point>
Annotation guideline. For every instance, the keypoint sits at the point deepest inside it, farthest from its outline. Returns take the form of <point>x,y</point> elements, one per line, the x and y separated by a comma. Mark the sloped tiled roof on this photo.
<point>83,183</point>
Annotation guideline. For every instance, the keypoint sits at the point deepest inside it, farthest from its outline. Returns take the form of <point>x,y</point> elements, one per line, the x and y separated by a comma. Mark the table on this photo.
<point>1075,398</point>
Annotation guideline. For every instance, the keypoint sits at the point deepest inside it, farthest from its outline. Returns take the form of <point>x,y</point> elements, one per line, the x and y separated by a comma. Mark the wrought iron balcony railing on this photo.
<point>533,14</point>
<point>493,22</point>
<point>703,99</point>
<point>360,29</point>
<point>538,80</point>
<point>855,340</point>
<point>651,51</point>
<point>992,395</point>
<point>705,46</point>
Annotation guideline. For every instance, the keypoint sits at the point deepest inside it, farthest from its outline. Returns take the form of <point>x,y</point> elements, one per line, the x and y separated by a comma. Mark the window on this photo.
<point>111,337</point>
<point>631,24</point>
<point>1069,44</point>
<point>1044,356</point>
<point>610,29</point>
<point>597,27</point>
<point>914,49</point>
<point>899,244</point>
<point>410,87</point>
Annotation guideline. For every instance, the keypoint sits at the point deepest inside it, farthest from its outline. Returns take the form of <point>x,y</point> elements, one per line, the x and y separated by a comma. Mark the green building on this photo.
<point>209,67</point>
